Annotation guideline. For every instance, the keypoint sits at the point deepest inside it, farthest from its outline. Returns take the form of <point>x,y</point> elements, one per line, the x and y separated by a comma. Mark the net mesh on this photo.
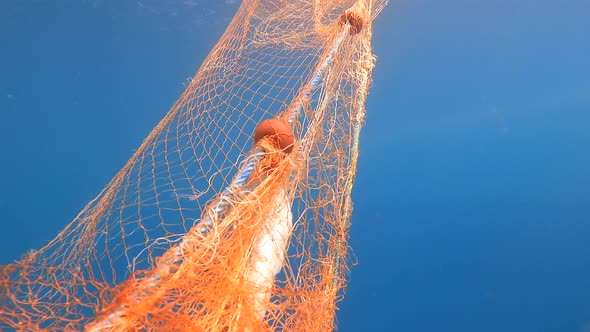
<point>170,242</point>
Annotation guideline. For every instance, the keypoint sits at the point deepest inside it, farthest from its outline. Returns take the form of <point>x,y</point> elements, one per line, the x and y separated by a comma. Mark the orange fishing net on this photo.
<point>206,228</point>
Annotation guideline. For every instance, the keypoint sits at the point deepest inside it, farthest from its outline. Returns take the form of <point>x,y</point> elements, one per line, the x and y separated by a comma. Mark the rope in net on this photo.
<point>233,214</point>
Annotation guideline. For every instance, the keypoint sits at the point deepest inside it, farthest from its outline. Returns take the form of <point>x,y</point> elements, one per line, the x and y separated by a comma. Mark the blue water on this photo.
<point>473,193</point>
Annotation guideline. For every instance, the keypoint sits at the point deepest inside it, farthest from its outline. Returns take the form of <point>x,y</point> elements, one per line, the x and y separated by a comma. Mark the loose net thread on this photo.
<point>150,252</point>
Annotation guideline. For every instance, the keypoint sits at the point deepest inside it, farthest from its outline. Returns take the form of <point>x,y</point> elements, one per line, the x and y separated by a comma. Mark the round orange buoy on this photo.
<point>280,132</point>
<point>354,19</point>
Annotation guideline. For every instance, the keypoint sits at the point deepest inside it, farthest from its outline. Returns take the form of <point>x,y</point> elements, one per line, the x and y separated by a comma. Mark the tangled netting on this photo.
<point>209,227</point>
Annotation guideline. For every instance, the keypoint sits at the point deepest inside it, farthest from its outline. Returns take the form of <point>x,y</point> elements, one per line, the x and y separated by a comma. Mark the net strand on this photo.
<point>200,230</point>
<point>224,201</point>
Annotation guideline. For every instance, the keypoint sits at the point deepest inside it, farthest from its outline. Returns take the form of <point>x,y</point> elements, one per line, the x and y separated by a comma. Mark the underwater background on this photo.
<point>472,199</point>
